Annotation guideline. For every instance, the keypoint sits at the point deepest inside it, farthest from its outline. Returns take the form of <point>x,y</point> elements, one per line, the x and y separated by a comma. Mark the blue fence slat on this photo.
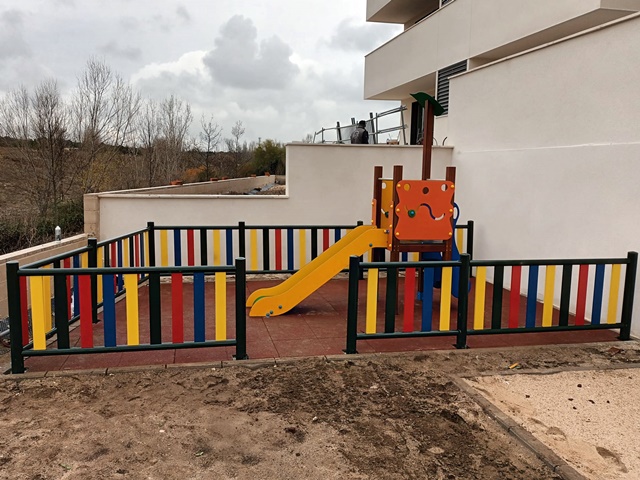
<point>290,264</point>
<point>177,248</point>
<point>427,299</point>
<point>198,307</point>
<point>142,255</point>
<point>532,296</point>
<point>120,264</point>
<point>598,289</point>
<point>109,310</point>
<point>229,234</point>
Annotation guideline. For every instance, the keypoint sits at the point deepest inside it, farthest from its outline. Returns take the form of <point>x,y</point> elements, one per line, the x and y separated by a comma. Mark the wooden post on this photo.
<point>448,244</point>
<point>427,140</point>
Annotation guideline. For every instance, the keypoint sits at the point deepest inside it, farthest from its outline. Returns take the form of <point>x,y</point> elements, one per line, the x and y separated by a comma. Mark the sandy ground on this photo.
<point>363,417</point>
<point>590,418</point>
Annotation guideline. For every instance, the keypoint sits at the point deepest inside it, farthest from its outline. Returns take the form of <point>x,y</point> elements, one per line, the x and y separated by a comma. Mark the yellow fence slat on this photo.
<point>460,240</point>
<point>445,299</point>
<point>253,241</point>
<point>549,288</point>
<point>478,310</point>
<point>133,327</point>
<point>125,252</point>
<point>38,312</point>
<point>100,265</point>
<point>372,300</point>
<point>84,260</point>
<point>614,292</point>
<point>146,249</point>
<point>216,246</point>
<point>221,306</point>
<point>164,248</point>
<point>46,298</point>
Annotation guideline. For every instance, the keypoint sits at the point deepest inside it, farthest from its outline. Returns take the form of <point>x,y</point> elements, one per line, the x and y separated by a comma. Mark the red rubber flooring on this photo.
<point>316,327</point>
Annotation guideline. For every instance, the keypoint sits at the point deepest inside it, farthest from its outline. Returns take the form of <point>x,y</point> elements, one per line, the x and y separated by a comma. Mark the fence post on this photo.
<point>61,308</point>
<point>361,258</point>
<point>241,311</point>
<point>352,309</point>
<point>629,292</point>
<point>15,318</point>
<point>93,263</point>
<point>339,137</point>
<point>470,227</point>
<point>463,300</point>
<point>151,228</point>
<point>374,127</point>
<point>242,240</point>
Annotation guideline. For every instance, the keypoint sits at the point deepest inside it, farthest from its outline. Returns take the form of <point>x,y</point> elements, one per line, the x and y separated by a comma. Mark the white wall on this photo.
<point>326,185</point>
<point>31,255</point>
<point>470,28</point>
<point>548,149</point>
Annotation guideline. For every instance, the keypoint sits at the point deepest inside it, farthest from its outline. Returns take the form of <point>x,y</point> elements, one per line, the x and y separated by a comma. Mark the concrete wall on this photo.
<point>239,185</point>
<point>31,255</point>
<point>326,184</point>
<point>548,148</point>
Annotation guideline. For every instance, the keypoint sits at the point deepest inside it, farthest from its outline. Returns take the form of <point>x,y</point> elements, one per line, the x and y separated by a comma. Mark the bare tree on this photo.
<point>37,125</point>
<point>174,118</point>
<point>104,111</point>
<point>210,136</point>
<point>148,134</point>
<point>234,146</point>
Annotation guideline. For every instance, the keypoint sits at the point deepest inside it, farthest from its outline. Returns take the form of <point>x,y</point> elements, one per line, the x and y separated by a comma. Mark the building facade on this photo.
<point>444,38</point>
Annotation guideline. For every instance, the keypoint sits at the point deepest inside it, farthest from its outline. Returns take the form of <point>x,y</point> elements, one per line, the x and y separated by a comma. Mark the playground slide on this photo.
<point>309,267</point>
<point>282,298</point>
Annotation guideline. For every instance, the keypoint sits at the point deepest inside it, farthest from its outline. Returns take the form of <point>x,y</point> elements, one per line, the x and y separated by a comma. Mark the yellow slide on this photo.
<point>283,297</point>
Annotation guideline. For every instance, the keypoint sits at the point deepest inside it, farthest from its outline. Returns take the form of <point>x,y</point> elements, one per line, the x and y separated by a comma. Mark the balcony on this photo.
<point>468,29</point>
<point>399,11</point>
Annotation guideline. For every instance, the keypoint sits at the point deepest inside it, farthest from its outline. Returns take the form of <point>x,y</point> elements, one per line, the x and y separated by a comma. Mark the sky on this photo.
<point>284,68</point>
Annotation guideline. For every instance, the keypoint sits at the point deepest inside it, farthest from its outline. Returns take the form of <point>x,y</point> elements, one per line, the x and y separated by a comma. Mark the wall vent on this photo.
<point>442,93</point>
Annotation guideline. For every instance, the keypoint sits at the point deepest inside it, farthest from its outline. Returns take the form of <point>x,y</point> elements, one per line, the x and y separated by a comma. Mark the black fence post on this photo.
<point>61,308</point>
<point>15,318</point>
<point>629,292</point>
<point>352,309</point>
<point>361,258</point>
<point>463,300</point>
<point>242,240</point>
<point>470,229</point>
<point>241,311</point>
<point>93,263</point>
<point>151,228</point>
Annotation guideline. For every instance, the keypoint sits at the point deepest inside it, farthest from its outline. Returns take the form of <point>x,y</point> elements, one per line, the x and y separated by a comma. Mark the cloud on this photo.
<point>114,49</point>
<point>182,12</point>
<point>238,60</point>
<point>352,37</point>
<point>12,41</point>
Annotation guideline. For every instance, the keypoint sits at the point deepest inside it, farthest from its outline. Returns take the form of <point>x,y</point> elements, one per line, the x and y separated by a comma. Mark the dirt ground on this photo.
<point>363,417</point>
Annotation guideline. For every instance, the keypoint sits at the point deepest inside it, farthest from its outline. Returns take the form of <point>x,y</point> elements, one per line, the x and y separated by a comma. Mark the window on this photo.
<point>442,93</point>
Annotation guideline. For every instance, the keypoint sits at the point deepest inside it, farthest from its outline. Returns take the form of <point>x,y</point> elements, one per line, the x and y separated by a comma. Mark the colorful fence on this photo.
<point>267,248</point>
<point>523,296</point>
<point>83,285</point>
<point>130,333</point>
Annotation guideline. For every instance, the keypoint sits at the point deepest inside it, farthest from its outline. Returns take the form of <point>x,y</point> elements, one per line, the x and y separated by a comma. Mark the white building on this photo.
<point>443,38</point>
<point>543,116</point>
